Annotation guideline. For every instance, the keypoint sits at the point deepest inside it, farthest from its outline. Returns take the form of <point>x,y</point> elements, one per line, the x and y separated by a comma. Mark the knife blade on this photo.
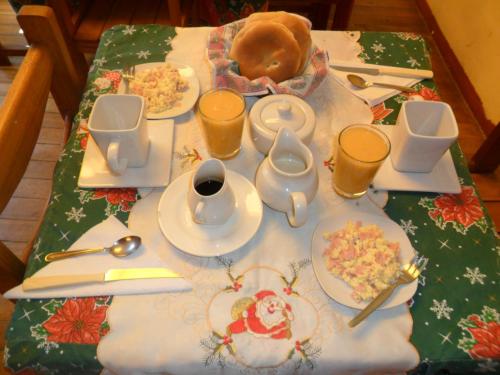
<point>45,282</point>
<point>389,70</point>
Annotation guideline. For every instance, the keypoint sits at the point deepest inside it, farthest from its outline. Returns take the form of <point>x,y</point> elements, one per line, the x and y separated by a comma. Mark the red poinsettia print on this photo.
<point>83,142</point>
<point>77,321</point>
<point>114,77</point>
<point>117,197</point>
<point>484,331</point>
<point>380,112</point>
<point>25,371</point>
<point>462,210</point>
<point>487,341</point>
<point>426,93</point>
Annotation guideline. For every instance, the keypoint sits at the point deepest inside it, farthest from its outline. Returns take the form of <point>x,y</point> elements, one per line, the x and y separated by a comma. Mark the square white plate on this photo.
<point>442,179</point>
<point>95,173</point>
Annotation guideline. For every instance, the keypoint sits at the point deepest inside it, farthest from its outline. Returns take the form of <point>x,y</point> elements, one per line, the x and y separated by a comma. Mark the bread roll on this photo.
<point>266,49</point>
<point>295,24</point>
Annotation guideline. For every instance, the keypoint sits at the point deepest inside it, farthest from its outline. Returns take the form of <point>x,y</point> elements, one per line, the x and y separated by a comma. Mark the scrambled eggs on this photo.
<point>161,86</point>
<point>361,257</point>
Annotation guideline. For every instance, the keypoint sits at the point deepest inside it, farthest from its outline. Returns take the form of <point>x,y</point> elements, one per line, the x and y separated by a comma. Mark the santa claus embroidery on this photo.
<point>265,315</point>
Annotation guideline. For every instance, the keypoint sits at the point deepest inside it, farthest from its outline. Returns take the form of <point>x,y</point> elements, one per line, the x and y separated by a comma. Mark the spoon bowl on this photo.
<point>361,83</point>
<point>120,248</point>
<point>125,246</point>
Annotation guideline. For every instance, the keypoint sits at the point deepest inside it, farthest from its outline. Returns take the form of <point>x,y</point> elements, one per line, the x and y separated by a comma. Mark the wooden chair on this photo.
<point>487,157</point>
<point>318,11</point>
<point>324,14</point>
<point>6,52</point>
<point>85,22</point>
<point>50,65</point>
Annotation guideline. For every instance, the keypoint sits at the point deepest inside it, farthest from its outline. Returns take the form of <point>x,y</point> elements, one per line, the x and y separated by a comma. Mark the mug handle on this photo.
<point>297,213</point>
<point>116,164</point>
<point>198,212</point>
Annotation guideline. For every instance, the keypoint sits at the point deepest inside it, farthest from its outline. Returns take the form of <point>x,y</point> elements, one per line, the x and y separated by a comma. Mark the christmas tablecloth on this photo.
<point>455,310</point>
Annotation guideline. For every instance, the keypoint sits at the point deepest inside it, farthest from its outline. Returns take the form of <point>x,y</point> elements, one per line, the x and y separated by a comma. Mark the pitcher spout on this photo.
<point>289,154</point>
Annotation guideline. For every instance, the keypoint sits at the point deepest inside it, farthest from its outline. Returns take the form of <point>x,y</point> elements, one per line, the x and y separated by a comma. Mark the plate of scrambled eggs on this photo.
<point>170,88</point>
<point>357,258</point>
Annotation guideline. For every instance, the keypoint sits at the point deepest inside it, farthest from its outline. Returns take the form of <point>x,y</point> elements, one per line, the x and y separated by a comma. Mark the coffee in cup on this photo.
<point>210,197</point>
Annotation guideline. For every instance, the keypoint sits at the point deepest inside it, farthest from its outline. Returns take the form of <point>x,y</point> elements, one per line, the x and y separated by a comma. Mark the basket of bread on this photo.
<point>269,52</point>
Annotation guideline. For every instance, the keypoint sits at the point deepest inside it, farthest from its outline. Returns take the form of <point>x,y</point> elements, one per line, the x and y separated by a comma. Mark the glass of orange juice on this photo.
<point>361,150</point>
<point>222,113</point>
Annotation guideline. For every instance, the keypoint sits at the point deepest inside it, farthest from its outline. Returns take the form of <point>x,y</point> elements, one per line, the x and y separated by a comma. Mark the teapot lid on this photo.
<point>274,111</point>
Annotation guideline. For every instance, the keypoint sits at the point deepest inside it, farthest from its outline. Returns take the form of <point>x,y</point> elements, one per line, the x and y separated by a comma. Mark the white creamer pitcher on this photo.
<point>287,179</point>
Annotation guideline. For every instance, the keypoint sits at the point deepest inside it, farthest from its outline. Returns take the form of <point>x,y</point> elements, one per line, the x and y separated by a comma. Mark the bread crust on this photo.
<point>265,48</point>
<point>295,24</point>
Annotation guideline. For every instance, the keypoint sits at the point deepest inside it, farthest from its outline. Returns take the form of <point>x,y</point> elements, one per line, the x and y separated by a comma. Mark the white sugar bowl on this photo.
<point>274,111</point>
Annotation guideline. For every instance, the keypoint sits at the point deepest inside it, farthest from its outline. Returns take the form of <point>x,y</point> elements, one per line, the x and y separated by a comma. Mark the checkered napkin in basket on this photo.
<point>225,72</point>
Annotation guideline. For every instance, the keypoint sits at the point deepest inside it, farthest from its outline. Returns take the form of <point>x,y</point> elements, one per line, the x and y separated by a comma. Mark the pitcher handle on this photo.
<point>297,213</point>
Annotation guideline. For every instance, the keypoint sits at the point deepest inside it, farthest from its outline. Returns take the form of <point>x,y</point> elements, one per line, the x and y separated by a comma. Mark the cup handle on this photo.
<point>116,164</point>
<point>198,212</point>
<point>297,213</point>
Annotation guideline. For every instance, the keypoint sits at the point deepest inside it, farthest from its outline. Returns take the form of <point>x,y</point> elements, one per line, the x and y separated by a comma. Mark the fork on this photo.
<point>409,273</point>
<point>128,74</point>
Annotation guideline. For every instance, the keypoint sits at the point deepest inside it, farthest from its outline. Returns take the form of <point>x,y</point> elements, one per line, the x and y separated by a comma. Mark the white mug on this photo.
<point>423,133</point>
<point>118,124</point>
<point>210,197</point>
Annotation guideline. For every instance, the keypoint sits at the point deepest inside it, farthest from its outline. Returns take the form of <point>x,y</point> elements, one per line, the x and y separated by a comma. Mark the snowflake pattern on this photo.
<point>100,62</point>
<point>129,30</point>
<point>143,54</point>
<point>377,48</point>
<point>487,366</point>
<point>413,62</point>
<point>75,214</point>
<point>408,227</point>
<point>441,309</point>
<point>474,275</point>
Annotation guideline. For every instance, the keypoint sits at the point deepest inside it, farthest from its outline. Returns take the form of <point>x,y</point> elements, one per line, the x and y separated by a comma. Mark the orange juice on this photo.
<point>222,113</point>
<point>361,150</point>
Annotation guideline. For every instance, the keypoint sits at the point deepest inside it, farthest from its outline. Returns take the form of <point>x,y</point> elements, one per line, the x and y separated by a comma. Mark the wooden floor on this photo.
<point>20,218</point>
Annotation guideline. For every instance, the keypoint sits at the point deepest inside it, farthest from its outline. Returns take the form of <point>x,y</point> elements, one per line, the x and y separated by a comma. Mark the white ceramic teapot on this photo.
<point>287,179</point>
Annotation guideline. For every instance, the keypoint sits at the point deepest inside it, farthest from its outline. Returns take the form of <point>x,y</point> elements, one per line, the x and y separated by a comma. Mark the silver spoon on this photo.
<point>363,84</point>
<point>120,248</point>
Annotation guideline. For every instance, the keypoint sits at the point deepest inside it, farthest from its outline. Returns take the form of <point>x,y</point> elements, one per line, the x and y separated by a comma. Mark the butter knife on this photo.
<point>389,70</point>
<point>45,282</point>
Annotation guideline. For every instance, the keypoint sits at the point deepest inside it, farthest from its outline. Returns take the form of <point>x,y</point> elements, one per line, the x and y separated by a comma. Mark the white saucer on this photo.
<point>442,179</point>
<point>95,173</point>
<point>209,240</point>
<point>335,287</point>
<point>189,96</point>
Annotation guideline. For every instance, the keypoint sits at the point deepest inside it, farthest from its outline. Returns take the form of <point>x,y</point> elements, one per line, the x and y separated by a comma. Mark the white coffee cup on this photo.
<point>424,131</point>
<point>118,124</point>
<point>210,197</point>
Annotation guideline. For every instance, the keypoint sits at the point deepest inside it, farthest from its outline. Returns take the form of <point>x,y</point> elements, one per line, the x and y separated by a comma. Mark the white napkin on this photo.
<point>103,234</point>
<point>372,95</point>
